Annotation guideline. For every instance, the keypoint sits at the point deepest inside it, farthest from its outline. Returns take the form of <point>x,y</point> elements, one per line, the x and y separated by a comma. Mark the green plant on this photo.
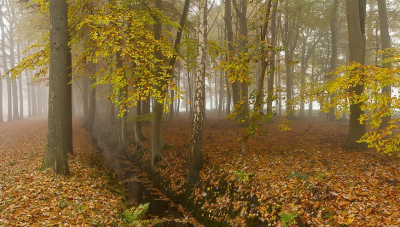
<point>288,219</point>
<point>322,175</point>
<point>135,215</point>
<point>298,175</point>
<point>329,216</point>
<point>242,176</point>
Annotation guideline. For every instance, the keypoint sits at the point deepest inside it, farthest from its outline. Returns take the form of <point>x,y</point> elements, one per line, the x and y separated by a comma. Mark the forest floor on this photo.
<point>89,196</point>
<point>301,177</point>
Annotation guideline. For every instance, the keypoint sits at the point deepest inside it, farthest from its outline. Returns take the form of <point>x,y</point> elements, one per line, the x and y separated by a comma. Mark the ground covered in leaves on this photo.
<point>28,197</point>
<point>300,177</point>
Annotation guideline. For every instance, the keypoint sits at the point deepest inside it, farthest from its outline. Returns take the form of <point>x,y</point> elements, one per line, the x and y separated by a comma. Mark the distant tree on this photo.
<point>5,66</point>
<point>56,156</point>
<point>195,153</point>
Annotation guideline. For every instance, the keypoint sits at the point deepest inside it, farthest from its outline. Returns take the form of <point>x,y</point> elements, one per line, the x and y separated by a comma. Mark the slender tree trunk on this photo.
<point>229,30</point>
<point>85,95</point>
<point>14,81</point>
<point>68,101</point>
<point>34,100</point>
<point>385,40</point>
<point>334,38</point>
<point>356,11</point>
<point>39,99</point>
<point>195,153</point>
<point>92,99</point>
<point>1,100</point>
<point>138,128</point>
<point>274,33</point>
<point>28,86</point>
<point>259,92</point>
<point>57,140</point>
<point>21,97</point>
<point>4,58</point>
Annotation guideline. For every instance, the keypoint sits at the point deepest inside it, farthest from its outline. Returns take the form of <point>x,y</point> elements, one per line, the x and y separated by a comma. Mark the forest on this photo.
<point>199,113</point>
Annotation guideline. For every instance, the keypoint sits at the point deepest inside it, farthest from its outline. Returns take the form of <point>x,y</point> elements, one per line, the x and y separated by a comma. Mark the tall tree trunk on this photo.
<point>28,86</point>
<point>14,81</point>
<point>259,92</point>
<point>92,99</point>
<point>156,137</point>
<point>21,97</point>
<point>39,99</point>
<point>57,140</point>
<point>5,66</point>
<point>229,31</point>
<point>334,38</point>
<point>138,127</point>
<point>1,100</point>
<point>385,40</point>
<point>123,131</point>
<point>195,153</point>
<point>356,11</point>
<point>34,100</point>
<point>85,95</point>
<point>274,33</point>
<point>241,12</point>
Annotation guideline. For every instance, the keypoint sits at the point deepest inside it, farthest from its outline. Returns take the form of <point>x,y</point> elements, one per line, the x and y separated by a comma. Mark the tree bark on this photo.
<point>91,112</point>
<point>229,31</point>
<point>274,33</point>
<point>385,40</point>
<point>355,11</point>
<point>259,93</point>
<point>21,97</point>
<point>156,137</point>
<point>56,156</point>
<point>334,54</point>
<point>195,153</point>
<point>8,80</point>
<point>1,100</point>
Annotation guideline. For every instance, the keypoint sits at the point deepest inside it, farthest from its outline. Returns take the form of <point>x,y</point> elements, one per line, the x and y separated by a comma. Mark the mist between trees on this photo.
<point>248,61</point>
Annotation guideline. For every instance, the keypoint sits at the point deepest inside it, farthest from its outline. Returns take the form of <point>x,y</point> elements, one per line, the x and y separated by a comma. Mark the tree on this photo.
<point>195,153</point>
<point>8,79</point>
<point>385,40</point>
<point>156,137</point>
<point>1,100</point>
<point>334,54</point>
<point>356,11</point>
<point>56,156</point>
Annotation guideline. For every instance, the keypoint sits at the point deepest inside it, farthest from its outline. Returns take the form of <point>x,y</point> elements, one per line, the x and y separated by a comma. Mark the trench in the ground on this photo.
<point>141,189</point>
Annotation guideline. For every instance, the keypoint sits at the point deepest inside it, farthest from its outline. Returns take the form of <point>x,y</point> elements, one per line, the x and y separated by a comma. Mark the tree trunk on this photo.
<point>57,140</point>
<point>123,131</point>
<point>28,86</point>
<point>274,33</point>
<point>229,30</point>
<point>195,153</point>
<point>39,100</point>
<point>14,81</point>
<point>334,54</point>
<point>138,128</point>
<point>356,11</point>
<point>1,100</point>
<point>21,97</point>
<point>259,92</point>
<point>385,40</point>
<point>156,137</point>
<point>4,58</point>
<point>92,101</point>
<point>85,99</point>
